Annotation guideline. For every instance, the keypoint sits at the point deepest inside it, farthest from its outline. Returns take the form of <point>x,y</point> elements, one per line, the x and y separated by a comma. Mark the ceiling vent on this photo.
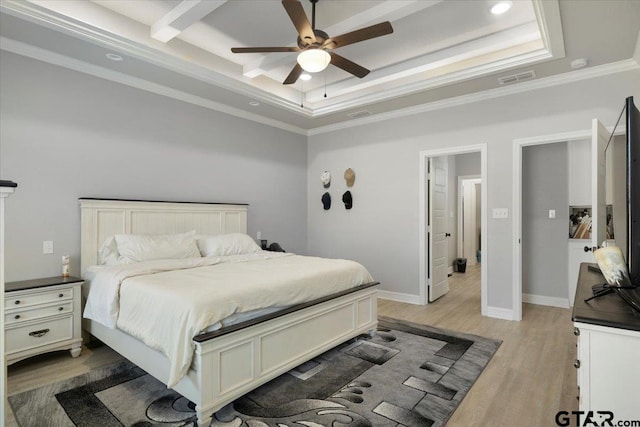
<point>514,78</point>
<point>358,114</point>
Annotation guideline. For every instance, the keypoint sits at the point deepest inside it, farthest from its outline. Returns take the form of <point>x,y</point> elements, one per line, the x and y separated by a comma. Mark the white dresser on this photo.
<point>42,315</point>
<point>608,350</point>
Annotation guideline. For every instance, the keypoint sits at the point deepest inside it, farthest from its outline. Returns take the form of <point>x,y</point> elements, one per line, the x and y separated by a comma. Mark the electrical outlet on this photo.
<point>259,235</point>
<point>552,213</point>
<point>47,247</point>
<point>500,213</point>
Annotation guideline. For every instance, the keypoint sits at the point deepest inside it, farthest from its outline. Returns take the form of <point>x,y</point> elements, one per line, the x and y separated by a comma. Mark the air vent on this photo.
<point>514,78</point>
<point>358,114</point>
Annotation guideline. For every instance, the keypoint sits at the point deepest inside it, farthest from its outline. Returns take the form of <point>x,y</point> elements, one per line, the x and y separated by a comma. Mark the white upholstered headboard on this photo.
<point>101,218</point>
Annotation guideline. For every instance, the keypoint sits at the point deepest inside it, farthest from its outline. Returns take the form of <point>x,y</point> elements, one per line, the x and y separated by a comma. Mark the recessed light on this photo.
<point>306,77</point>
<point>254,103</point>
<point>500,8</point>
<point>114,57</point>
<point>576,64</point>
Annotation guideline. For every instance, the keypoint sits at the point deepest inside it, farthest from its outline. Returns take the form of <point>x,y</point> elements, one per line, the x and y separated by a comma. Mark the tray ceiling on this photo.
<point>438,50</point>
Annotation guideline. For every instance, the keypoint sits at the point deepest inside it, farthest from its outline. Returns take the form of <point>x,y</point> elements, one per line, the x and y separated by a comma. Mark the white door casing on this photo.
<point>437,231</point>
<point>599,139</point>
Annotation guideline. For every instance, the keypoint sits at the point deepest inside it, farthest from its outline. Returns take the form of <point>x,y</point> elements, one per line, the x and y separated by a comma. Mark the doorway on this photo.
<point>479,152</point>
<point>597,133</point>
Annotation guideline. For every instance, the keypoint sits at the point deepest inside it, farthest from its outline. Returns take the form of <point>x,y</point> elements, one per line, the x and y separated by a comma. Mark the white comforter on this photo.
<point>166,303</point>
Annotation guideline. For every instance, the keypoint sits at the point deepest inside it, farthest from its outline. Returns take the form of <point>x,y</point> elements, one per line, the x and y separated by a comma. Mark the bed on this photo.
<point>230,361</point>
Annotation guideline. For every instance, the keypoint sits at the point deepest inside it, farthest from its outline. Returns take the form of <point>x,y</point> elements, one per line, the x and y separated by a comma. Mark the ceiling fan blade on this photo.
<point>264,49</point>
<point>381,29</point>
<point>348,66</point>
<point>293,75</point>
<point>300,21</point>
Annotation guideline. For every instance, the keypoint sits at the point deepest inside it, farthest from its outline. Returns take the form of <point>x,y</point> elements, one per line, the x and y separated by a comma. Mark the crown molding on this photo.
<point>100,37</point>
<point>546,82</point>
<point>19,48</point>
<point>289,102</point>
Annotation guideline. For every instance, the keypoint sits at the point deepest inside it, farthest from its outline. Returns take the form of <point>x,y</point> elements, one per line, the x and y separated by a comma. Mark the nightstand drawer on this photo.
<point>38,313</point>
<point>38,334</point>
<point>16,300</point>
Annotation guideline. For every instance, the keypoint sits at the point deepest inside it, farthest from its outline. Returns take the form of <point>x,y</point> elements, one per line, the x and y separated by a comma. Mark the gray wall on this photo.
<point>467,164</point>
<point>66,135</point>
<point>545,254</point>
<point>382,229</point>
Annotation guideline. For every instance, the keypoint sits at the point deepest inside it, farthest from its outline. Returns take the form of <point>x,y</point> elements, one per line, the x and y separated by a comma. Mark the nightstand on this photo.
<point>42,315</point>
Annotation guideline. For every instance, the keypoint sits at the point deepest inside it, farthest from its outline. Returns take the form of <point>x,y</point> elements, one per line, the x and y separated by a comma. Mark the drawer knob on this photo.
<point>17,302</point>
<point>61,308</point>
<point>17,316</point>
<point>60,295</point>
<point>38,334</point>
<point>576,364</point>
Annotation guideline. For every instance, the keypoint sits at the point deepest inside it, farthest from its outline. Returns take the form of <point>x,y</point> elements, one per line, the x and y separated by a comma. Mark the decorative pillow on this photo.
<point>227,244</point>
<point>136,247</point>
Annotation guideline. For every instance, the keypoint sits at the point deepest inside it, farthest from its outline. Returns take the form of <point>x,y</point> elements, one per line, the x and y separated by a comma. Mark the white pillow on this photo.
<point>108,253</point>
<point>227,244</point>
<point>137,247</point>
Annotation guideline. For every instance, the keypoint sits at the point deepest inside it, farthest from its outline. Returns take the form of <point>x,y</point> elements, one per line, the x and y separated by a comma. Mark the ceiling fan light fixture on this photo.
<point>314,60</point>
<point>501,7</point>
<point>305,77</point>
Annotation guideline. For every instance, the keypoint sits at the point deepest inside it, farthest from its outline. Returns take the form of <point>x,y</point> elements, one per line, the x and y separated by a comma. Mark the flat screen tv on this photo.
<point>626,209</point>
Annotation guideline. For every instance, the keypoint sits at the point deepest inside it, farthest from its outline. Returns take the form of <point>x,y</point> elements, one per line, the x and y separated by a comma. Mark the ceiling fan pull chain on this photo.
<point>325,84</point>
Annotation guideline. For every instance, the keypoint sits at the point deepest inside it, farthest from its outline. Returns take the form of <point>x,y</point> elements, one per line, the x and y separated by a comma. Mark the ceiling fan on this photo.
<point>316,47</point>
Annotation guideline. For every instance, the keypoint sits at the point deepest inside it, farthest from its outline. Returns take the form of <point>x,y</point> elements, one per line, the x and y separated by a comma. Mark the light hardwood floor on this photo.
<point>530,378</point>
<point>527,382</point>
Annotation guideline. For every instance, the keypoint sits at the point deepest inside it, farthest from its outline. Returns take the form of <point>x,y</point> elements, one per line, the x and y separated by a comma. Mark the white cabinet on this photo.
<point>608,350</point>
<point>42,315</point>
<point>579,153</point>
<point>608,372</point>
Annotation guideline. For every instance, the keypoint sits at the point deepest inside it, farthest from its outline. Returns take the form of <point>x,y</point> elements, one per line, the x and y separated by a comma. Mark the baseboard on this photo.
<point>500,313</point>
<point>400,297</point>
<point>542,300</point>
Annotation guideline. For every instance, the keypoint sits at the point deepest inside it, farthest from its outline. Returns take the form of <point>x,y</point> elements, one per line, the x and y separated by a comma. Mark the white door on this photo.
<point>599,140</point>
<point>437,228</point>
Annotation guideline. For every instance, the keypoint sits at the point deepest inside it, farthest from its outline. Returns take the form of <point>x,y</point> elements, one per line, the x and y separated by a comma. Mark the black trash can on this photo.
<point>460,265</point>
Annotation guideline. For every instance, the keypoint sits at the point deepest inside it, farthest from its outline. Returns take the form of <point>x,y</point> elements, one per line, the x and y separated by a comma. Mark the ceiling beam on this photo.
<point>384,11</point>
<point>182,17</point>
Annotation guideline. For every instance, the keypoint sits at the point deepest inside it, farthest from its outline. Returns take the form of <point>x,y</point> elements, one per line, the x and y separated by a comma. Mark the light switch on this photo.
<point>47,247</point>
<point>552,213</point>
<point>500,213</point>
<point>259,235</point>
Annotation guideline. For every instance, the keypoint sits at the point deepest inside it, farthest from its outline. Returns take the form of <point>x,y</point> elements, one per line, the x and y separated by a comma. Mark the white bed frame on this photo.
<point>228,366</point>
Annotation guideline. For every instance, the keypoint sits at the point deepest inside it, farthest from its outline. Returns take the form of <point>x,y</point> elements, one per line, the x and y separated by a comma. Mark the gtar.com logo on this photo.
<point>591,419</point>
<point>584,418</point>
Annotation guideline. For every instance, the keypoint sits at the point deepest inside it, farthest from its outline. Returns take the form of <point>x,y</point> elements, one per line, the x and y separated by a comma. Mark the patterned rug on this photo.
<point>408,374</point>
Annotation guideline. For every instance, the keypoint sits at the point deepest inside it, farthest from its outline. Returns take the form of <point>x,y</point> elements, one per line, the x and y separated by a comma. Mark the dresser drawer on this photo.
<point>16,300</point>
<point>38,312</point>
<point>38,334</point>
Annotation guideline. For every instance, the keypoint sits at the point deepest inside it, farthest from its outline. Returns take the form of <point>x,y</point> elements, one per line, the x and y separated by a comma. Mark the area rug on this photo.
<point>407,374</point>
